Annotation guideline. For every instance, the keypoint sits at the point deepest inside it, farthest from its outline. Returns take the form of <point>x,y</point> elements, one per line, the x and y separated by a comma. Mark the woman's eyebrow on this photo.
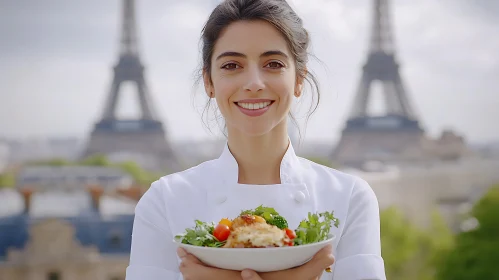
<point>238,54</point>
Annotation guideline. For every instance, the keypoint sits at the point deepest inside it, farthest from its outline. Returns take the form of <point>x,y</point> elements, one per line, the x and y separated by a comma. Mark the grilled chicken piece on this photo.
<point>257,235</point>
<point>245,220</point>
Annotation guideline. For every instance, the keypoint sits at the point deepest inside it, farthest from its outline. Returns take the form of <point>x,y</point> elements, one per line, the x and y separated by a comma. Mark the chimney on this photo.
<point>95,192</point>
<point>27,193</point>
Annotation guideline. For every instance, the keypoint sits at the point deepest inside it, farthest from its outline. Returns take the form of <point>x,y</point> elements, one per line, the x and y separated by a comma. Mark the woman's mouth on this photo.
<point>254,108</point>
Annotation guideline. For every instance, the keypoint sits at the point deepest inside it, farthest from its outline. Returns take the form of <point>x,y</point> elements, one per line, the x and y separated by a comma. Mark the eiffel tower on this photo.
<point>145,136</point>
<point>396,135</point>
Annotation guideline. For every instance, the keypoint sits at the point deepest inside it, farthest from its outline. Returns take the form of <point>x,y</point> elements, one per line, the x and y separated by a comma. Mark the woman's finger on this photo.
<point>250,275</point>
<point>186,257</point>
<point>191,259</point>
<point>181,252</point>
<point>323,259</point>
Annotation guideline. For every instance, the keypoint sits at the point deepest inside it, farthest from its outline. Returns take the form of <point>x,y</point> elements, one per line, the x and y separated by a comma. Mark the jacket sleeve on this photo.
<point>153,253</point>
<point>358,254</point>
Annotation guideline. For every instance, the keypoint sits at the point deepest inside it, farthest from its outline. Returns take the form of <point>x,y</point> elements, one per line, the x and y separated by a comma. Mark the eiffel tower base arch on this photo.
<point>385,139</point>
<point>142,141</point>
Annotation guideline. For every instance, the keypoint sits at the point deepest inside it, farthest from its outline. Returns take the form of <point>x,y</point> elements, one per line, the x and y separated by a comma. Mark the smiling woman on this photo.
<point>233,50</point>
<point>252,72</point>
<point>254,64</point>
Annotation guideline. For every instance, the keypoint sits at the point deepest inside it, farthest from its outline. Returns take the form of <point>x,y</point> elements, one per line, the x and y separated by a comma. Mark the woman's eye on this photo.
<point>275,64</point>
<point>230,66</point>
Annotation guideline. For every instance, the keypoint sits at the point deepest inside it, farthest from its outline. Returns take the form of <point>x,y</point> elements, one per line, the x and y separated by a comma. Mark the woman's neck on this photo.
<point>259,157</point>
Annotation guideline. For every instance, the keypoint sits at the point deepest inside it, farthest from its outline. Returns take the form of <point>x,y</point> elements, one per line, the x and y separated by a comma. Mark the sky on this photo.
<point>57,58</point>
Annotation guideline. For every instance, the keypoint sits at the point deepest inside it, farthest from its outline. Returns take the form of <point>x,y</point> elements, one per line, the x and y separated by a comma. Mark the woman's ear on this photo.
<point>299,84</point>
<point>208,86</point>
<point>299,88</point>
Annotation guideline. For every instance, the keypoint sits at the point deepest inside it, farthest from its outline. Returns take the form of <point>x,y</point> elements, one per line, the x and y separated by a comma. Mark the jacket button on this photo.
<point>299,197</point>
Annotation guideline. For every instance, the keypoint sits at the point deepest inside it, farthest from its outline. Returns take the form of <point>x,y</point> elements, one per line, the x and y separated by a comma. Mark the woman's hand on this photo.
<point>193,269</point>
<point>312,270</point>
<point>190,267</point>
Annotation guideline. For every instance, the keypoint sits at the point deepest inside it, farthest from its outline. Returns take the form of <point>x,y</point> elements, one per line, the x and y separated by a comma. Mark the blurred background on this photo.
<point>98,99</point>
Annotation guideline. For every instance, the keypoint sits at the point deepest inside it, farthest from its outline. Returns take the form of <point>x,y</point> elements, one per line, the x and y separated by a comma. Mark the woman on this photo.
<point>254,65</point>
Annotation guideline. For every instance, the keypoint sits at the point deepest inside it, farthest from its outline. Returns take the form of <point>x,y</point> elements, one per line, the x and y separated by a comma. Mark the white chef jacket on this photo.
<point>210,191</point>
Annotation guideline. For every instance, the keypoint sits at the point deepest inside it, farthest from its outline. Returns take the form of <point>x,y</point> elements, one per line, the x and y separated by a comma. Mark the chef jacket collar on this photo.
<point>290,170</point>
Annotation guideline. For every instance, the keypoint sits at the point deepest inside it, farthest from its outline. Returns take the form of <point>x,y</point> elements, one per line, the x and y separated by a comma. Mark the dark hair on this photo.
<point>281,16</point>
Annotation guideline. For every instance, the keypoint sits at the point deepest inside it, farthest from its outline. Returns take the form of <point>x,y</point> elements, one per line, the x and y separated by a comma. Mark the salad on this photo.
<point>262,227</point>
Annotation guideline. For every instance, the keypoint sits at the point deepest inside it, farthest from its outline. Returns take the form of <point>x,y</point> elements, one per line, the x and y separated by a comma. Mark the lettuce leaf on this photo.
<point>316,228</point>
<point>200,235</point>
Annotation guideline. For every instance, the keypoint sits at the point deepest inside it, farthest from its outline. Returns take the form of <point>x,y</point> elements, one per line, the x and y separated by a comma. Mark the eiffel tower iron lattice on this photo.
<point>396,134</point>
<point>143,138</point>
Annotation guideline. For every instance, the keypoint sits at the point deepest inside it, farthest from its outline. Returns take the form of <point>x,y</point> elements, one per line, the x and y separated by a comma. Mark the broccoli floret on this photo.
<point>279,222</point>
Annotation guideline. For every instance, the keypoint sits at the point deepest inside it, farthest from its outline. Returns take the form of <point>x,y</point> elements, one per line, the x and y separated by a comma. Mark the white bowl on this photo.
<point>257,259</point>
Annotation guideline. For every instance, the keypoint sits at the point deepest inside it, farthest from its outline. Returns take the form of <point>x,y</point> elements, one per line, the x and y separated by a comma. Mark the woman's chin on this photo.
<point>256,127</point>
<point>255,131</point>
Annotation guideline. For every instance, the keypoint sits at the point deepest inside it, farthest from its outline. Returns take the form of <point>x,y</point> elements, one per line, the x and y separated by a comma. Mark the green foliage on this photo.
<point>97,160</point>
<point>279,222</point>
<point>316,228</point>
<point>439,238</point>
<point>141,176</point>
<point>200,235</point>
<point>51,162</point>
<point>476,252</point>
<point>408,251</point>
<point>399,242</point>
<point>7,180</point>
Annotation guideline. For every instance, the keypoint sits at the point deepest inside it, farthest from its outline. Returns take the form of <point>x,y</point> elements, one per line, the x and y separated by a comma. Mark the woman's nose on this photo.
<point>254,81</point>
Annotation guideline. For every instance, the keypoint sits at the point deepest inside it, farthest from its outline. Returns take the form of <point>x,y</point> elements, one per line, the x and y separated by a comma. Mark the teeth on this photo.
<point>254,106</point>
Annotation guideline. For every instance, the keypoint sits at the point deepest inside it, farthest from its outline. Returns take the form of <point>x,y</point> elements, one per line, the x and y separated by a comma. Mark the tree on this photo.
<point>96,160</point>
<point>410,252</point>
<point>476,252</point>
<point>51,162</point>
<point>7,180</point>
<point>399,242</point>
<point>440,240</point>
<point>140,176</point>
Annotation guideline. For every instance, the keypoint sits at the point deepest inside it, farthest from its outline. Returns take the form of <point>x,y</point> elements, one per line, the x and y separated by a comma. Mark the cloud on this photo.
<point>57,60</point>
<point>340,20</point>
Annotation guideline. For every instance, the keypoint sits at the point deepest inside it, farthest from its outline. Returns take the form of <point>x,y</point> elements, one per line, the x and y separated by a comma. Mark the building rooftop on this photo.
<point>63,204</point>
<point>72,177</point>
<point>102,219</point>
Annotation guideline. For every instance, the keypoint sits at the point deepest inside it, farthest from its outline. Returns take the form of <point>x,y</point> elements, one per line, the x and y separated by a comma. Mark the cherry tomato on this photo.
<point>290,233</point>
<point>221,232</point>
<point>290,243</point>
<point>226,222</point>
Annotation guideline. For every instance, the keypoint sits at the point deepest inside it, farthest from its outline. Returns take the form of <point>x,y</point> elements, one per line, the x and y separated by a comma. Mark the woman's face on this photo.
<point>253,77</point>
